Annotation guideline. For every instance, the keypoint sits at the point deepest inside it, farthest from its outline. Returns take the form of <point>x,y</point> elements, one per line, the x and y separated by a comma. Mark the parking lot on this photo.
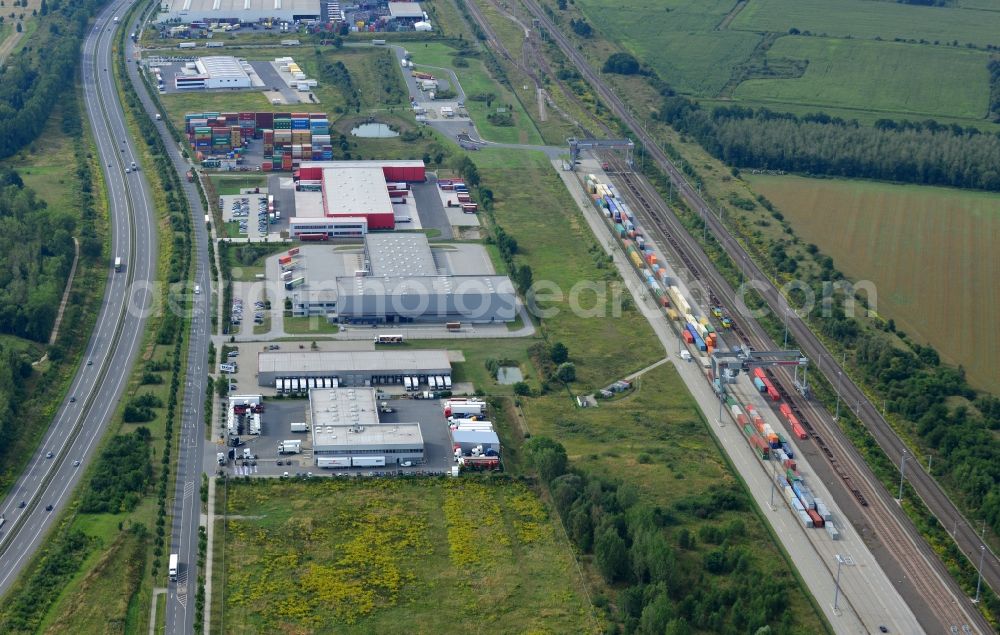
<point>249,211</point>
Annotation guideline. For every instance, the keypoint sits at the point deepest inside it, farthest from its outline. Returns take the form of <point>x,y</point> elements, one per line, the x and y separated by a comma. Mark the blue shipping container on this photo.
<point>788,450</point>
<point>759,384</point>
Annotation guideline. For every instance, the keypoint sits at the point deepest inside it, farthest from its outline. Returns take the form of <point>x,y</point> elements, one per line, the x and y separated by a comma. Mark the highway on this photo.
<point>929,491</point>
<point>82,419</point>
<point>191,458</point>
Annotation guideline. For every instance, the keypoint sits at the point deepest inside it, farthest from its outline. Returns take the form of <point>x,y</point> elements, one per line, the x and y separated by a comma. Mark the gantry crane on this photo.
<point>726,367</point>
<point>575,145</point>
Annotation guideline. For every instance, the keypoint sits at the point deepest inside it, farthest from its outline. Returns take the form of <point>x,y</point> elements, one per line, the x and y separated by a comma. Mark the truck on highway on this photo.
<point>118,263</point>
<point>299,427</point>
<point>172,567</point>
<point>290,446</point>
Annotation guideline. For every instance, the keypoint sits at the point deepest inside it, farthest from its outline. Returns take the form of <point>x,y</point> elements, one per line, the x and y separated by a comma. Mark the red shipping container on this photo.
<point>294,251</point>
<point>284,260</point>
<point>785,409</point>
<point>792,420</point>
<point>816,518</point>
<point>759,372</point>
<point>799,431</point>
<point>688,337</point>
<point>741,419</point>
<point>773,394</point>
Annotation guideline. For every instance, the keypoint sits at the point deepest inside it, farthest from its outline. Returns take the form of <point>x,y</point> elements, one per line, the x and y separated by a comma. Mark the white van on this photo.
<point>197,289</point>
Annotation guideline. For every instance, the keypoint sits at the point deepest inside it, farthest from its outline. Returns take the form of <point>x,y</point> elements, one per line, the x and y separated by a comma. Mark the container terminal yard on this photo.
<point>761,398</point>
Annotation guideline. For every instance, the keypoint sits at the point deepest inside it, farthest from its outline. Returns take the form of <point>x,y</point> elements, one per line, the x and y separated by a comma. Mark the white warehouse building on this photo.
<point>214,71</point>
<point>347,432</point>
<point>245,11</point>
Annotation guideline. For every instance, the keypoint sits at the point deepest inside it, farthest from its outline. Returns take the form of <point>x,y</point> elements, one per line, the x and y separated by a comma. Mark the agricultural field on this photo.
<point>676,38</point>
<point>380,556</point>
<point>896,78</point>
<point>930,251</point>
<point>870,20</point>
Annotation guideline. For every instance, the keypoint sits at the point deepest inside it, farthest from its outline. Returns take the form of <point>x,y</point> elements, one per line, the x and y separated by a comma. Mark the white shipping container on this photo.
<point>804,519</point>
<point>832,530</point>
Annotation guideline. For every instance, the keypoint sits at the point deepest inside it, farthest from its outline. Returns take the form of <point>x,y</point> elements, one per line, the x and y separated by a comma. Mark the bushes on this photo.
<point>622,64</point>
<point>122,474</point>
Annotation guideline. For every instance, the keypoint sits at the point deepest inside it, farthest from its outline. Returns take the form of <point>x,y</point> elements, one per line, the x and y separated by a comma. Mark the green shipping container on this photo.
<point>620,229</point>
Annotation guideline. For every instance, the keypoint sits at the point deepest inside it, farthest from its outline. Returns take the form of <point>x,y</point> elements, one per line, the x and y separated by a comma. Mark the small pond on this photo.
<point>508,375</point>
<point>374,131</point>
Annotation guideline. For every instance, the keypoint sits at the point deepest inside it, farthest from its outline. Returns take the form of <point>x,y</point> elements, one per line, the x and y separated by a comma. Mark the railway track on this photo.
<point>926,574</point>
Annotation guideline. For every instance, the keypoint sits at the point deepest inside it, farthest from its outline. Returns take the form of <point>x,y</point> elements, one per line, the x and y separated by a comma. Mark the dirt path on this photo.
<point>731,15</point>
<point>8,45</point>
<point>65,298</point>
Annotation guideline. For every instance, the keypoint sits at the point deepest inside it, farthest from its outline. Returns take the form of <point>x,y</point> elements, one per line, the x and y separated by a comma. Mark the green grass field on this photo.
<point>868,20</point>
<point>533,206</point>
<point>475,79</point>
<point>878,76</point>
<point>386,556</point>
<point>930,251</point>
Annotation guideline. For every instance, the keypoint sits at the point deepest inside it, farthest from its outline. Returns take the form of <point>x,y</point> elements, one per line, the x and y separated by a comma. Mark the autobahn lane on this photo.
<point>82,419</point>
<point>192,461</point>
<point>929,491</point>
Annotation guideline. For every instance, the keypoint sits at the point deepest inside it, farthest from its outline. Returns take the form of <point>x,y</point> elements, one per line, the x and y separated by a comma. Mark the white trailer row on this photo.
<point>434,382</point>
<point>300,385</point>
<point>333,462</point>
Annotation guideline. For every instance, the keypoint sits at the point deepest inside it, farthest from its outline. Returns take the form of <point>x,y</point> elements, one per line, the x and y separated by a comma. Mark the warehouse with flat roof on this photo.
<point>352,368</point>
<point>347,432</point>
<point>233,11</point>
<point>398,278</point>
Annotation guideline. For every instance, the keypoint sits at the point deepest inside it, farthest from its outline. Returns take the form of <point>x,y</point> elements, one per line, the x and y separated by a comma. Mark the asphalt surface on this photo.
<point>191,456</point>
<point>78,426</point>
<point>938,502</point>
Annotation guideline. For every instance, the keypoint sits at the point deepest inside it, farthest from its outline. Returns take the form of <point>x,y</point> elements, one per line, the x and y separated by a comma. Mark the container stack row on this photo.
<point>639,248</point>
<point>288,137</point>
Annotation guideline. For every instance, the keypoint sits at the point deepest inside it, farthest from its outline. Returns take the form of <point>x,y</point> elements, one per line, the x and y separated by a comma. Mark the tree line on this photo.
<point>927,153</point>
<point>669,579</point>
<point>33,79</point>
<point>37,247</point>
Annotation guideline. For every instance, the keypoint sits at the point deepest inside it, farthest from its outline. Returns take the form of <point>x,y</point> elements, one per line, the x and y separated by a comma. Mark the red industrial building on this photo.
<point>351,190</point>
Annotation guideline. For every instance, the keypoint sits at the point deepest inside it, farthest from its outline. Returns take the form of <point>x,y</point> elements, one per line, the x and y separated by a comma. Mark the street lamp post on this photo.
<point>785,346</point>
<point>836,589</point>
<point>840,380</point>
<point>902,475</point>
<point>979,580</point>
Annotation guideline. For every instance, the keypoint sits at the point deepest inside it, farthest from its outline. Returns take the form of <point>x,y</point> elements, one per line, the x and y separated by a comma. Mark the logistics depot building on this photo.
<point>338,199</point>
<point>347,433</point>
<point>397,279</point>
<point>351,368</point>
<point>235,11</point>
<point>214,71</point>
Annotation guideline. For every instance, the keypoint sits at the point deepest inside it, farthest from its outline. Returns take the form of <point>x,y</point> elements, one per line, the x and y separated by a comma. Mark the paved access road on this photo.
<point>82,419</point>
<point>191,457</point>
